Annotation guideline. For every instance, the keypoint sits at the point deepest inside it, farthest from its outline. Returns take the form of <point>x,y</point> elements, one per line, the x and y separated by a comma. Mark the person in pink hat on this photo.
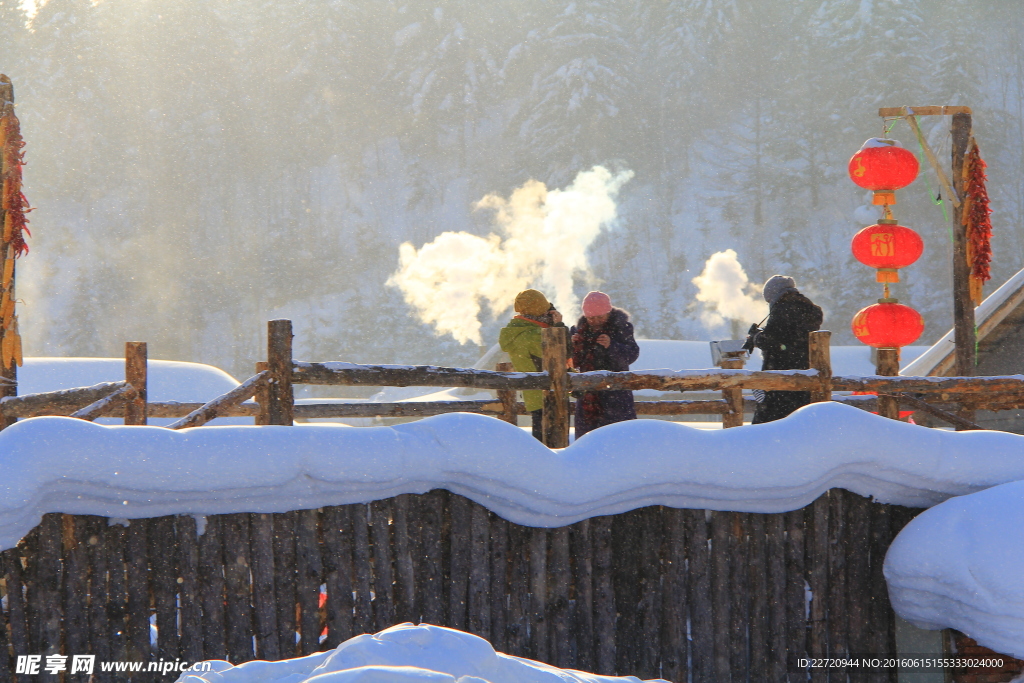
<point>603,340</point>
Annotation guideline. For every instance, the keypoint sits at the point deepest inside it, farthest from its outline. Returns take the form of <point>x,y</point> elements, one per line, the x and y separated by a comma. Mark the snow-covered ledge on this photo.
<point>54,464</point>
<point>960,564</point>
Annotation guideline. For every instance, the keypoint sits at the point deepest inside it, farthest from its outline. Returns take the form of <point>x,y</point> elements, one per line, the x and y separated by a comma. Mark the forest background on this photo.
<point>202,166</point>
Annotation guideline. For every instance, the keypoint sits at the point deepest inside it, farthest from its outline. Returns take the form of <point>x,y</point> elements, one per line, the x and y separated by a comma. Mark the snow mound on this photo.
<point>59,464</point>
<point>402,654</point>
<point>959,565</point>
<point>167,380</point>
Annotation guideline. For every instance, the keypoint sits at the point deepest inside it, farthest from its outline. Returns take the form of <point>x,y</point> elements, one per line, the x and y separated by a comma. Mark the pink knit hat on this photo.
<point>596,303</point>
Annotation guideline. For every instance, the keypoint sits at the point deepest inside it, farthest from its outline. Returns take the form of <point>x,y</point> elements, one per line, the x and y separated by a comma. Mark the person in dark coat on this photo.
<point>783,343</point>
<point>603,340</point>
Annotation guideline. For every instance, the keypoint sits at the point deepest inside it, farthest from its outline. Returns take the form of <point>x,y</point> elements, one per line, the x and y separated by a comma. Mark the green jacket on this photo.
<point>520,339</point>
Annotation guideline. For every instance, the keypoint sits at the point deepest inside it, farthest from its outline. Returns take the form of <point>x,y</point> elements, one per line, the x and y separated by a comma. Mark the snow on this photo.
<point>401,654</point>
<point>880,142</point>
<point>57,464</point>
<point>959,565</point>
<point>166,381</point>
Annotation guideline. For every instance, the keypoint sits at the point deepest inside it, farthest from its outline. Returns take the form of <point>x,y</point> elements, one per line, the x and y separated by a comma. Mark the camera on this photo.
<point>748,346</point>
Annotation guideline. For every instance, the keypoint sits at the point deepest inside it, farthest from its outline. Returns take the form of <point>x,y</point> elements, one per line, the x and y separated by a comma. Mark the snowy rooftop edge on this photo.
<point>57,464</point>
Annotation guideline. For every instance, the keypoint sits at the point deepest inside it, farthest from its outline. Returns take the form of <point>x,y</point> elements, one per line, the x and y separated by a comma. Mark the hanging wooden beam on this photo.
<point>936,166</point>
<point>892,112</point>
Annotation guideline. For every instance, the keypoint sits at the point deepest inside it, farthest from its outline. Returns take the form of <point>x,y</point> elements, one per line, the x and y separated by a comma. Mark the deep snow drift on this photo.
<point>960,565</point>
<point>58,464</point>
<point>402,654</point>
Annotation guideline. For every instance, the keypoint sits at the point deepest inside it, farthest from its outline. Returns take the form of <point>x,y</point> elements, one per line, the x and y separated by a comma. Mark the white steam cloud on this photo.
<point>726,292</point>
<point>543,244</point>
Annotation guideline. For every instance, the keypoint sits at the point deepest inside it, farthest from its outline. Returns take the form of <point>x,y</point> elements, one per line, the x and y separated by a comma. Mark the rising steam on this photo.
<point>544,241</point>
<point>726,292</point>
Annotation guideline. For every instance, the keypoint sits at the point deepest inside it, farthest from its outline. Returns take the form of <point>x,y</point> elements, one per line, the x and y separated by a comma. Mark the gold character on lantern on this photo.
<point>883,244</point>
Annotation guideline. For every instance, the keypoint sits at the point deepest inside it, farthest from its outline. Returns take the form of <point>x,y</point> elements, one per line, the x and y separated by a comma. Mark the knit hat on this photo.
<point>531,302</point>
<point>596,303</point>
<point>776,286</point>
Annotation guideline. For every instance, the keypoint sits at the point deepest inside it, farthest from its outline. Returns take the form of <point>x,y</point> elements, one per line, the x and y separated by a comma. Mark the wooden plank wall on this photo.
<point>655,592</point>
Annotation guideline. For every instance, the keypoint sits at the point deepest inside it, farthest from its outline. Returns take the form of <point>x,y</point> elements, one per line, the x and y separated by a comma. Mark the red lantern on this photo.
<point>888,325</point>
<point>887,247</point>
<point>883,166</point>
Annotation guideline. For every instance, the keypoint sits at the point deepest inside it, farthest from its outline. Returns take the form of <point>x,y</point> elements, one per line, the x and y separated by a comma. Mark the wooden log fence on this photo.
<point>655,592</point>
<point>949,398</point>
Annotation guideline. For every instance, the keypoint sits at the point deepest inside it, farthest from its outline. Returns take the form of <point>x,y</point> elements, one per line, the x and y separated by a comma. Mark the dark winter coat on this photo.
<point>783,341</point>
<point>607,406</point>
<point>783,344</point>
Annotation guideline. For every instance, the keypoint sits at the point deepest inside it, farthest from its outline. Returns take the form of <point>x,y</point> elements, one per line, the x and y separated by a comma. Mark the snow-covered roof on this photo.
<point>58,464</point>
<point>402,654</point>
<point>939,358</point>
<point>166,380</point>
<point>959,565</point>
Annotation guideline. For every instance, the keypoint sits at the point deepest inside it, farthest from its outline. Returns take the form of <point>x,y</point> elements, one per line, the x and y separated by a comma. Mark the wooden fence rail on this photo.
<point>655,592</point>
<point>275,402</point>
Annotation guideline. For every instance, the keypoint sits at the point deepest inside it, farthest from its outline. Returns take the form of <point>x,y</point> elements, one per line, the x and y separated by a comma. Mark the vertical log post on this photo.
<point>263,396</point>
<point>507,398</point>
<point>187,548</point>
<point>135,372</point>
<point>821,360</point>
<point>478,599</point>
<point>309,576</point>
<point>556,399</point>
<point>281,401</point>
<point>8,376</point>
<point>963,307</point>
<point>817,579</point>
<point>734,397</point>
<point>261,553</point>
<point>888,365</point>
<point>539,594</point>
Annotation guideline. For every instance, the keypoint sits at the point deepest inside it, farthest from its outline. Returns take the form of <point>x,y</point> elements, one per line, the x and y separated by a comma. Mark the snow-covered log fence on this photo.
<point>221,404</point>
<point>62,402</point>
<point>653,592</point>
<point>103,406</point>
<point>275,403</point>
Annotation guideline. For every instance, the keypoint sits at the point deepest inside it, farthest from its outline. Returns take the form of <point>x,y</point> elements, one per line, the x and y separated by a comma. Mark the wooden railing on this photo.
<point>272,387</point>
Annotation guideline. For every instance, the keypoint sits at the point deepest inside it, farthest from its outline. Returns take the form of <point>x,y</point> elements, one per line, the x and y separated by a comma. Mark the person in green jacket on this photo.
<point>521,340</point>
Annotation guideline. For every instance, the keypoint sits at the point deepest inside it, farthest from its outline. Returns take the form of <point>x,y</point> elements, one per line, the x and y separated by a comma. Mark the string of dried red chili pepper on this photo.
<point>12,199</point>
<point>976,218</point>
